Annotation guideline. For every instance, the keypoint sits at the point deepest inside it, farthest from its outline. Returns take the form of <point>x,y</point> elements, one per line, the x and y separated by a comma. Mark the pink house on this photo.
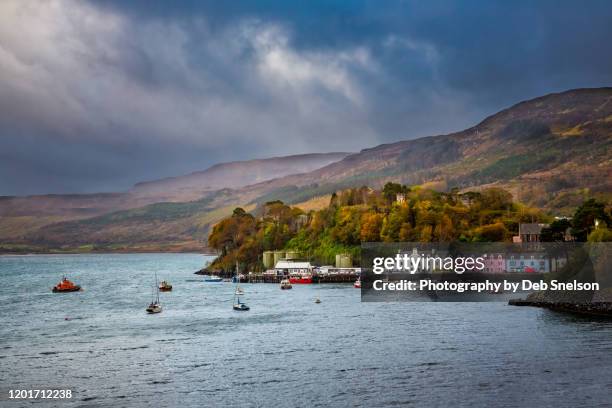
<point>494,263</point>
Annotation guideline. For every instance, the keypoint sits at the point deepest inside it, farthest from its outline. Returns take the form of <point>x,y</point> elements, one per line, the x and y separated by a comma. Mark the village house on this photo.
<point>529,232</point>
<point>494,263</point>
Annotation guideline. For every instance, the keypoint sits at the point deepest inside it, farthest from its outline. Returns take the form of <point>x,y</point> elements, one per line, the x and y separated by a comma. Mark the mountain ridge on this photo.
<point>550,151</point>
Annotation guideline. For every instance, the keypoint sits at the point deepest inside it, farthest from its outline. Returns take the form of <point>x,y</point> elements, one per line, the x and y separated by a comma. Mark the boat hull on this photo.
<point>64,290</point>
<point>301,280</point>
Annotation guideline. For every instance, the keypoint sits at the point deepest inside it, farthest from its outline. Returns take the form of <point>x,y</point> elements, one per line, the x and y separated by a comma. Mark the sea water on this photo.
<point>285,351</point>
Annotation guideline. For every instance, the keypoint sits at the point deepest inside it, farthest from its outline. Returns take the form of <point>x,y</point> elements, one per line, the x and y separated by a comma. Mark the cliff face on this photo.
<point>550,152</point>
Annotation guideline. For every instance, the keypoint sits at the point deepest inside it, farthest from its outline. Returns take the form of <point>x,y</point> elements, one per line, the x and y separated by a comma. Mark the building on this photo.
<point>527,262</point>
<point>328,270</point>
<point>494,263</point>
<point>400,198</point>
<point>529,232</point>
<point>287,268</point>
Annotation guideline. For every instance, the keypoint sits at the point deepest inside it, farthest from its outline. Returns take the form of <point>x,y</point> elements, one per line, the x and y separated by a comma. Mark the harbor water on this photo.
<point>285,351</point>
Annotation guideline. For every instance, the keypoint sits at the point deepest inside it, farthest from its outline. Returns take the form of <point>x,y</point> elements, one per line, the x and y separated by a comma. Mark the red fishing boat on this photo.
<point>66,286</point>
<point>301,278</point>
<point>357,283</point>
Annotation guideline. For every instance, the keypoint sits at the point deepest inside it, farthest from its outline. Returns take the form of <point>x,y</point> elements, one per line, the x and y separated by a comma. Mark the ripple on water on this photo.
<point>286,351</point>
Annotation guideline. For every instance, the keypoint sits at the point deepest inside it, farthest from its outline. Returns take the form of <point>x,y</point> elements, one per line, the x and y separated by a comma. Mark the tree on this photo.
<point>491,233</point>
<point>556,231</point>
<point>390,191</point>
<point>370,227</point>
<point>600,235</point>
<point>584,218</point>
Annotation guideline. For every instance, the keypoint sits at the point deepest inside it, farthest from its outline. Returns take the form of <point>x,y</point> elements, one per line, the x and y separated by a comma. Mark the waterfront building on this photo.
<point>288,267</point>
<point>328,270</point>
<point>528,262</point>
<point>494,263</point>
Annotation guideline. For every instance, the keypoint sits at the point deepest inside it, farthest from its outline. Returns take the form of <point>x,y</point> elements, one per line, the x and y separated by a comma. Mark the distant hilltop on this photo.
<point>550,152</point>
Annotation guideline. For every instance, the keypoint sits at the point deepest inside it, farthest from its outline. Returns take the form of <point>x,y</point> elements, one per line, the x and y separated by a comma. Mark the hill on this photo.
<point>551,152</point>
<point>22,217</point>
<point>563,141</point>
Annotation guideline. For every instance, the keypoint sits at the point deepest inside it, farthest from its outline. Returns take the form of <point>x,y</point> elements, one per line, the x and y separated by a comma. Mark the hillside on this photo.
<point>550,152</point>
<point>564,141</point>
<point>232,175</point>
<point>22,217</point>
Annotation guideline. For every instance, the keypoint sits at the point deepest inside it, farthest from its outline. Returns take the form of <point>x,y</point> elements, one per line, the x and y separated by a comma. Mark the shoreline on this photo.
<point>594,309</point>
<point>6,254</point>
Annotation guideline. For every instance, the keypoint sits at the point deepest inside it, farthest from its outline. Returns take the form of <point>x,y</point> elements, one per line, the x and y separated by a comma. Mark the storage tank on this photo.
<point>278,255</point>
<point>268,259</point>
<point>344,261</point>
<point>292,255</point>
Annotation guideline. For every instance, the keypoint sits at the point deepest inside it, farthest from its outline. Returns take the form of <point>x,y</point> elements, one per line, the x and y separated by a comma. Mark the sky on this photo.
<point>98,95</point>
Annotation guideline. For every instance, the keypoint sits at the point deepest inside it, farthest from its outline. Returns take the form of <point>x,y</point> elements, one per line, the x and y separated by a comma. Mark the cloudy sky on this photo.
<point>95,96</point>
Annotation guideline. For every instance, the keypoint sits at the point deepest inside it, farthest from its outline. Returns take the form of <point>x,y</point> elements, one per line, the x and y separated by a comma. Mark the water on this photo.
<point>287,350</point>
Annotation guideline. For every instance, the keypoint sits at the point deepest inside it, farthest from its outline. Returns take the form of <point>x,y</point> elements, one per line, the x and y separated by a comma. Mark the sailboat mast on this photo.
<point>157,287</point>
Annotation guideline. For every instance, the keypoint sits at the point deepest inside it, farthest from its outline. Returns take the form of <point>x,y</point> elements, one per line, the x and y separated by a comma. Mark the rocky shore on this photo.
<point>591,309</point>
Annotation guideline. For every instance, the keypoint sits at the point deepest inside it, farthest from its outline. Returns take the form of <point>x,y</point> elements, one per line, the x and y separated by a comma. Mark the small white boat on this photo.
<point>317,300</point>
<point>154,307</point>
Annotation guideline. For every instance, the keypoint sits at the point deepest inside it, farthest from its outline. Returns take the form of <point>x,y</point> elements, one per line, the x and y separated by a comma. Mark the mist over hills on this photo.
<point>551,152</point>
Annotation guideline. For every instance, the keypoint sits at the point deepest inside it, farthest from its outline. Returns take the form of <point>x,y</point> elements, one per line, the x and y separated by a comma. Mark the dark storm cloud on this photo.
<point>99,95</point>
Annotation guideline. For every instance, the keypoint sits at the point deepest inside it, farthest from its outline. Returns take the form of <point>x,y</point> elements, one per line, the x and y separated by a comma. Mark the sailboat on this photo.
<point>239,290</point>
<point>318,298</point>
<point>155,306</point>
<point>238,305</point>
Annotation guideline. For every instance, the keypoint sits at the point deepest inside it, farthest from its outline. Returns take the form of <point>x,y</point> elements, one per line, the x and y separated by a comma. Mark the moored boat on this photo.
<point>238,305</point>
<point>357,283</point>
<point>155,306</point>
<point>285,284</point>
<point>302,278</point>
<point>165,286</point>
<point>213,279</point>
<point>66,286</point>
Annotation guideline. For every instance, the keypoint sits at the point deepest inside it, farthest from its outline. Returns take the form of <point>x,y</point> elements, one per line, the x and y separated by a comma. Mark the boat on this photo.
<point>66,286</point>
<point>301,278</point>
<point>238,305</point>
<point>213,279</point>
<point>285,284</point>
<point>155,306</point>
<point>357,283</point>
<point>165,286</point>
<point>318,300</point>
